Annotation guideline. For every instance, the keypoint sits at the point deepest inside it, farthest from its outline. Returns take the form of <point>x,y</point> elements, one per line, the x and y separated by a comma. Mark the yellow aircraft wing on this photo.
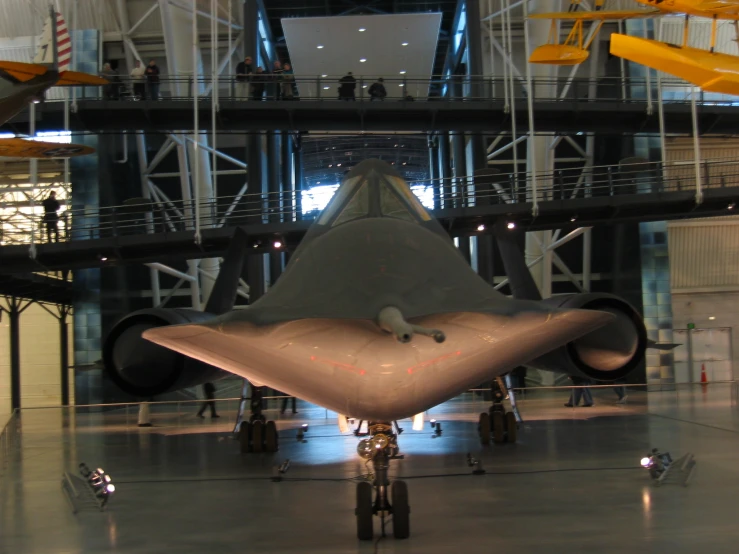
<point>67,78</point>
<point>23,148</point>
<point>716,5</point>
<point>23,71</point>
<point>599,15</point>
<point>711,71</point>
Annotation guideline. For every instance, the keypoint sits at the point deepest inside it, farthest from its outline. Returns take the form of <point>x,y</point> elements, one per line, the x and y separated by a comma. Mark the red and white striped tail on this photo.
<point>63,44</point>
<point>45,54</point>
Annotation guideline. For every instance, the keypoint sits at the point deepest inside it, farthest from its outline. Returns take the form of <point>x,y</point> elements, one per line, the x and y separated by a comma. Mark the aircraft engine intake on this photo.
<point>606,354</point>
<point>143,368</point>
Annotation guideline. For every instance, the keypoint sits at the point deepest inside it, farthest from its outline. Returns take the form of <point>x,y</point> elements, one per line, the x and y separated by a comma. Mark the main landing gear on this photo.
<point>380,449</point>
<point>257,434</point>
<point>497,422</point>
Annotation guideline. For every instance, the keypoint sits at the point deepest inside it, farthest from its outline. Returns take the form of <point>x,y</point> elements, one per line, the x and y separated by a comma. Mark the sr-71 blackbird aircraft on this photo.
<point>377,317</point>
<point>21,83</point>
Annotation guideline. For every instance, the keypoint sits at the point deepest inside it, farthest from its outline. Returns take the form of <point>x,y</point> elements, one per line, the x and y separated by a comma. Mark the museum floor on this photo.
<point>572,483</point>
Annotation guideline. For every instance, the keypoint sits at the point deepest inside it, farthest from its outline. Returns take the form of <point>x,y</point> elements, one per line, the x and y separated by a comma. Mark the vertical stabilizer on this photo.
<point>55,48</point>
<point>522,284</point>
<point>223,295</point>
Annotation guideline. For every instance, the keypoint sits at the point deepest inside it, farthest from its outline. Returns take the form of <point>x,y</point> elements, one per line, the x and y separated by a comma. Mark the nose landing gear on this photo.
<point>497,422</point>
<point>380,449</point>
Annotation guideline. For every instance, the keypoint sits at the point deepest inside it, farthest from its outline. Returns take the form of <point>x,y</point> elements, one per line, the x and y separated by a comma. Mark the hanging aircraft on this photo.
<point>377,317</point>
<point>22,83</point>
<point>711,71</point>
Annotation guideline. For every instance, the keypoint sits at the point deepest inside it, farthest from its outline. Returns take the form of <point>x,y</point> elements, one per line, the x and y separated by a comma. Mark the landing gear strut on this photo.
<point>257,434</point>
<point>381,448</point>
<point>497,422</point>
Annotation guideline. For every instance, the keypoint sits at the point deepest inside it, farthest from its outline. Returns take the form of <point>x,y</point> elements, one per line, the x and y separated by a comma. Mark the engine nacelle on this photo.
<point>145,369</point>
<point>606,354</point>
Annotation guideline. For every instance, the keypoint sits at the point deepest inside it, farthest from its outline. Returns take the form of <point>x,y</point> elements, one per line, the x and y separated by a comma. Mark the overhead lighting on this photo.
<point>331,165</point>
<point>362,60</point>
<point>404,44</point>
<point>338,165</point>
<point>400,85</point>
<point>511,225</point>
<point>319,46</point>
<point>402,72</point>
<point>711,317</point>
<point>403,163</point>
<point>326,88</point>
<point>731,206</point>
<point>481,227</point>
<point>364,86</point>
<point>318,182</point>
<point>573,218</point>
<point>362,29</point>
<point>324,75</point>
<point>277,244</point>
<point>36,101</point>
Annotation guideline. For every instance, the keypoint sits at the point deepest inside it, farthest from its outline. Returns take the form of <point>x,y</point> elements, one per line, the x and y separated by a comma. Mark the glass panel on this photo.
<point>357,207</point>
<point>392,206</point>
<point>402,189</point>
<point>344,192</point>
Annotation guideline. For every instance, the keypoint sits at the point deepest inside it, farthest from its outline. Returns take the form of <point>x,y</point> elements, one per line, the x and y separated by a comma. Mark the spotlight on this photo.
<point>338,165</point>
<point>320,46</point>
<point>731,206</point>
<point>404,44</point>
<point>646,462</point>
<point>480,227</point>
<point>36,101</point>
<point>304,427</point>
<point>511,225</point>
<point>362,60</point>
<point>573,218</point>
<point>110,488</point>
<point>277,244</point>
<point>324,76</point>
<point>362,29</point>
<point>711,317</point>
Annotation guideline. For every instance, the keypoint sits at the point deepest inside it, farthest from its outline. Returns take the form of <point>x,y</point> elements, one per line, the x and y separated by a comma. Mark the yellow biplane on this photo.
<point>710,70</point>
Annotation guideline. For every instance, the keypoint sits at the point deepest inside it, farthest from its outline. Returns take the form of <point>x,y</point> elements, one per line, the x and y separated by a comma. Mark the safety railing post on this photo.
<point>318,87</point>
<point>707,176</point>
<point>610,179</point>
<point>114,221</point>
<point>561,183</point>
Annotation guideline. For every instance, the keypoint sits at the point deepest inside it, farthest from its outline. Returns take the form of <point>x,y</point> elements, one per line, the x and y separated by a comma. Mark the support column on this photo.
<point>298,162</point>
<point>460,168</point>
<point>273,198</point>
<point>252,40</point>
<point>288,187</point>
<point>64,353</point>
<point>434,170</point>
<point>445,169</point>
<point>15,309</point>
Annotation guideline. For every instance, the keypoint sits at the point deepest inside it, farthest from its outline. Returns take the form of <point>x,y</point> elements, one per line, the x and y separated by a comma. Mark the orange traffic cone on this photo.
<point>704,378</point>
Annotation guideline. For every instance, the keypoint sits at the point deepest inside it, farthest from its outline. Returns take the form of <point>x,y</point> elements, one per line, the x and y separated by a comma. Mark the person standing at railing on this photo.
<point>258,82</point>
<point>578,392</point>
<point>152,79</point>
<point>347,85</point>
<point>377,90</point>
<point>288,81</point>
<point>244,71</point>
<point>210,400</point>
<point>51,217</point>
<point>139,81</point>
<point>276,81</point>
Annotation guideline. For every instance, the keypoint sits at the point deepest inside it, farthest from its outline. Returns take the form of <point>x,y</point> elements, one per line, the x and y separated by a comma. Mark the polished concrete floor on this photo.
<point>572,483</point>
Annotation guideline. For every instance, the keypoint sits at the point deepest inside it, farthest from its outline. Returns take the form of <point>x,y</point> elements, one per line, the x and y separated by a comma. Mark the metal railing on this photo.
<point>397,88</point>
<point>166,216</point>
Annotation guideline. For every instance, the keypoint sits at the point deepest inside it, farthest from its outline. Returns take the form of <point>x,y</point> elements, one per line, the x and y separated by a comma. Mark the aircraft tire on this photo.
<point>498,428</point>
<point>484,428</point>
<point>401,510</point>
<point>244,437</point>
<point>511,427</point>
<point>270,437</point>
<point>257,436</point>
<point>363,511</point>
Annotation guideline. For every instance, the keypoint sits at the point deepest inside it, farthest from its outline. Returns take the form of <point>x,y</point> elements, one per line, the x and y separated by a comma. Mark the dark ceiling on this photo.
<point>326,159</point>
